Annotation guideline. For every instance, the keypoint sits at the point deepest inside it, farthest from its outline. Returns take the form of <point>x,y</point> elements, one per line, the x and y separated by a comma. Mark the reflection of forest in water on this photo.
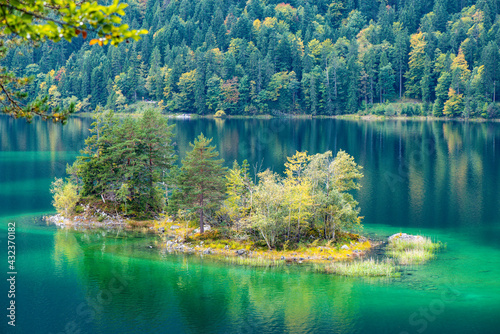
<point>19,135</point>
<point>204,297</point>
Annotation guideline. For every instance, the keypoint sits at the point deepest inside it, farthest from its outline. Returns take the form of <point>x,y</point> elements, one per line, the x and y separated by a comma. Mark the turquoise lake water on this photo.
<point>440,179</point>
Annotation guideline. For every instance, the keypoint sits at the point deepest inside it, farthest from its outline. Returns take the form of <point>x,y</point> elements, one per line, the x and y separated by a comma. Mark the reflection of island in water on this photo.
<point>188,292</point>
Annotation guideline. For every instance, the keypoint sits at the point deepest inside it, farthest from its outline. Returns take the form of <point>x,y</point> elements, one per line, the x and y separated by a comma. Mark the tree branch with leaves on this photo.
<point>34,22</point>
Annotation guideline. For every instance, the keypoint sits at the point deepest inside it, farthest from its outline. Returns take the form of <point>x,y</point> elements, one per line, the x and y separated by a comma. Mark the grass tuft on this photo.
<point>415,251</point>
<point>252,261</point>
<point>367,268</point>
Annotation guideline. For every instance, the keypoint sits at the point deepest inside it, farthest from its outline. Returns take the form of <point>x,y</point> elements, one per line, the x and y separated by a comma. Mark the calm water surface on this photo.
<point>440,179</point>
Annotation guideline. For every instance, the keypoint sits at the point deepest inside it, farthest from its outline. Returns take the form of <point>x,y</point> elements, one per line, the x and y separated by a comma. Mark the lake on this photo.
<point>440,179</point>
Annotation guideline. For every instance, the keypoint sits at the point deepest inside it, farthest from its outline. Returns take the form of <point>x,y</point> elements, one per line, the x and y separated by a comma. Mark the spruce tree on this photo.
<point>155,154</point>
<point>201,179</point>
<point>400,53</point>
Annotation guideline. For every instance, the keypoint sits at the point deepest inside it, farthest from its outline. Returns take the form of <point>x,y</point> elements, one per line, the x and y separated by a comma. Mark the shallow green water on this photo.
<point>435,178</point>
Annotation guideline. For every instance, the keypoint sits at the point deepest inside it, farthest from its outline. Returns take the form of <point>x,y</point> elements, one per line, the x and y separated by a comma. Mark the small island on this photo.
<point>127,178</point>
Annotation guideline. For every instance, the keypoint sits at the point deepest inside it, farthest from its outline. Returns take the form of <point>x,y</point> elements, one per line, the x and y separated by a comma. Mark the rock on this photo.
<point>356,251</point>
<point>207,251</point>
<point>404,236</point>
<point>282,257</point>
<point>344,247</point>
<point>240,252</point>
<point>174,227</point>
<point>226,247</point>
<point>161,230</point>
<point>205,229</point>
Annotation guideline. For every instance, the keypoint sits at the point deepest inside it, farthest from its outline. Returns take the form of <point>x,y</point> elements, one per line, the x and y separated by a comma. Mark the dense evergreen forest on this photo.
<point>324,57</point>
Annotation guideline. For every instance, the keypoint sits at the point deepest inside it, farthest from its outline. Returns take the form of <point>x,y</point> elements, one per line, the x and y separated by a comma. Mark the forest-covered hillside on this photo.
<point>321,57</point>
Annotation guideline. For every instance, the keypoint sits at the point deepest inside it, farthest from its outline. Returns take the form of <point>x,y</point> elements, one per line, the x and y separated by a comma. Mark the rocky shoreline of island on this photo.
<point>178,239</point>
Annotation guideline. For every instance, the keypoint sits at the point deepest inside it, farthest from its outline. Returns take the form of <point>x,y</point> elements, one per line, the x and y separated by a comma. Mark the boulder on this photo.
<point>241,252</point>
<point>344,247</point>
<point>404,236</point>
<point>174,227</point>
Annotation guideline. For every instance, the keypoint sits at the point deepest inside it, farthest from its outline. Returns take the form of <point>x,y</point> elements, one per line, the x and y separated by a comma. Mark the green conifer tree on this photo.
<point>201,179</point>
